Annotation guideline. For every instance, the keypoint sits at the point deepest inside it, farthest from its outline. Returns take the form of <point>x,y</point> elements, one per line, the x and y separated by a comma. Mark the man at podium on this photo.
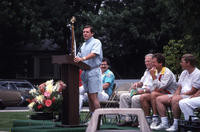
<point>91,54</point>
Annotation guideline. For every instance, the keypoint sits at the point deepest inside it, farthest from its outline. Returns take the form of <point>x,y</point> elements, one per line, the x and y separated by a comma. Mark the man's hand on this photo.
<point>194,95</point>
<point>134,86</point>
<point>153,73</point>
<point>174,95</point>
<point>77,59</point>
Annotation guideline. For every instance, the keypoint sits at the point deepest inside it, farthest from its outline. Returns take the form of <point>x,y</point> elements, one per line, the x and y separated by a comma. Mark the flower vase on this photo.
<point>42,116</point>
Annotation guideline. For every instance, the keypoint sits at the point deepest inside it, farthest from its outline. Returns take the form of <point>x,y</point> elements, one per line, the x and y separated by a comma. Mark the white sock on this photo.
<point>175,122</point>
<point>127,118</point>
<point>155,118</point>
<point>155,115</point>
<point>164,120</point>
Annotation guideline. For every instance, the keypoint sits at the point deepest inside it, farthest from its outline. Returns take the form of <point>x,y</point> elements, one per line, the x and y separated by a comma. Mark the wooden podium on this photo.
<point>70,75</point>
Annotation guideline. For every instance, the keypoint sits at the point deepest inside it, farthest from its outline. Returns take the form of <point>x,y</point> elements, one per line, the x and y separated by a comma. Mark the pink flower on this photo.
<point>62,86</point>
<point>42,87</point>
<point>48,102</point>
<point>47,94</point>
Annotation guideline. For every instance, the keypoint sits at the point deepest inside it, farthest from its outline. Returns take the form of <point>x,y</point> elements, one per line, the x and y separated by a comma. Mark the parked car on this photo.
<point>9,97</point>
<point>19,86</point>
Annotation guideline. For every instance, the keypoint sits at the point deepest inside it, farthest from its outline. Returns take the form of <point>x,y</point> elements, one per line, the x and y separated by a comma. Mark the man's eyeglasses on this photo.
<point>104,64</point>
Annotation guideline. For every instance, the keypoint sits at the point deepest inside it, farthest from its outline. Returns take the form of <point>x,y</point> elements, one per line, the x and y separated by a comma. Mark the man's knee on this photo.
<point>154,95</point>
<point>123,96</point>
<point>162,99</point>
<point>144,97</point>
<point>176,99</point>
<point>159,99</point>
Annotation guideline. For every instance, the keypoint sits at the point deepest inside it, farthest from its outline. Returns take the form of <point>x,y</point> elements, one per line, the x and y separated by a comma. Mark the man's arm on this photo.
<point>178,90</point>
<point>89,56</point>
<point>142,91</point>
<point>106,85</point>
<point>191,92</point>
<point>164,82</point>
<point>196,94</point>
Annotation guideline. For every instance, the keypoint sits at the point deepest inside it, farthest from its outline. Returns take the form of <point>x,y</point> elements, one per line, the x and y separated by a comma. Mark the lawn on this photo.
<point>6,119</point>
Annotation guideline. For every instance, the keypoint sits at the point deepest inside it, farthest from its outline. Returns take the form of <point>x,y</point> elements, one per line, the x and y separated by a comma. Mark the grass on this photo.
<point>6,119</point>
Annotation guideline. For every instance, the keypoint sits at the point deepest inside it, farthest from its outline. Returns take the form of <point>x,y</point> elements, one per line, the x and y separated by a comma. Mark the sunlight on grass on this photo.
<point>6,119</point>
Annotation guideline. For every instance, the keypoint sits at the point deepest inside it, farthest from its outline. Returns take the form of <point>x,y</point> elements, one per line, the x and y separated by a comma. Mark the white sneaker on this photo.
<point>154,124</point>
<point>161,127</point>
<point>173,128</point>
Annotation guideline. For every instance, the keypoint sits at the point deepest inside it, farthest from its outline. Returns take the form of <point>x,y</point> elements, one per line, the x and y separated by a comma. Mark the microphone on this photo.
<point>79,48</point>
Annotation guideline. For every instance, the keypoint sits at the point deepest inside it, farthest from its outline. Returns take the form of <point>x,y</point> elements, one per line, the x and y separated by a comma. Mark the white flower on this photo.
<point>33,91</point>
<point>50,82</point>
<point>30,106</point>
<point>49,88</point>
<point>44,92</point>
<point>56,86</point>
<point>40,99</point>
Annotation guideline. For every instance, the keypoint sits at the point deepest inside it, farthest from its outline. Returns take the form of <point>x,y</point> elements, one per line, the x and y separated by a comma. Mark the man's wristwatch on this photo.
<point>144,90</point>
<point>84,58</point>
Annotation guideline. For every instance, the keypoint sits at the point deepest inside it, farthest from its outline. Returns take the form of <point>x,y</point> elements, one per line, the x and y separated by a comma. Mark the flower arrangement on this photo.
<point>47,97</point>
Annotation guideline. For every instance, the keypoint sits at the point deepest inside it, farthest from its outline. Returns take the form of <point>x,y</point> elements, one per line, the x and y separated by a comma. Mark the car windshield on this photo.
<point>4,85</point>
<point>23,86</point>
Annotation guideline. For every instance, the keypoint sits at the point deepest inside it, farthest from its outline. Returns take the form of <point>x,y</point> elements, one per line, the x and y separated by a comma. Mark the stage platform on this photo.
<point>50,126</point>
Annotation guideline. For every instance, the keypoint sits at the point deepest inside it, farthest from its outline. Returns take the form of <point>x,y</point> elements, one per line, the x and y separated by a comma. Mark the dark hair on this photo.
<point>107,60</point>
<point>91,28</point>
<point>160,58</point>
<point>190,58</point>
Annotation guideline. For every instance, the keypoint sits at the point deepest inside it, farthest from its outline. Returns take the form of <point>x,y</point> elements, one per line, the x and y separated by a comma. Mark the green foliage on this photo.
<point>175,50</point>
<point>173,53</point>
<point>125,27</point>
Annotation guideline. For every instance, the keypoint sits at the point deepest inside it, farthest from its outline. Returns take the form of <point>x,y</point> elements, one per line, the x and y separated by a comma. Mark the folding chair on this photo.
<point>105,104</point>
<point>111,102</point>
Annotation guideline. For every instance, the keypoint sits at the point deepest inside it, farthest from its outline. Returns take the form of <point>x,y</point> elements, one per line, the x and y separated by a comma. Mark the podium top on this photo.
<point>67,59</point>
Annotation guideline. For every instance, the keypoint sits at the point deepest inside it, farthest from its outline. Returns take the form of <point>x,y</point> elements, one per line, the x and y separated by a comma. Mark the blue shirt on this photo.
<point>108,77</point>
<point>92,46</point>
<point>92,78</point>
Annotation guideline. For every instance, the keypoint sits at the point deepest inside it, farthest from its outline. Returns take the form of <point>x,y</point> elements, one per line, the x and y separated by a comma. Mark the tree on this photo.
<point>173,53</point>
<point>127,28</point>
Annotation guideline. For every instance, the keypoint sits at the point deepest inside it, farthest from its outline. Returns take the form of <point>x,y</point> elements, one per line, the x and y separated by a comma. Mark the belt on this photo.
<point>92,68</point>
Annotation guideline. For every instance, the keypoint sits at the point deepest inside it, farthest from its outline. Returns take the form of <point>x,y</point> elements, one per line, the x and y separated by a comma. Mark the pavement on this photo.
<point>15,109</point>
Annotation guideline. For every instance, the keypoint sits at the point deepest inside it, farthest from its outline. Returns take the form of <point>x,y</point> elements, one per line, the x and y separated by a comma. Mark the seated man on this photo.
<point>164,82</point>
<point>188,83</point>
<point>108,81</point>
<point>188,105</point>
<point>127,100</point>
